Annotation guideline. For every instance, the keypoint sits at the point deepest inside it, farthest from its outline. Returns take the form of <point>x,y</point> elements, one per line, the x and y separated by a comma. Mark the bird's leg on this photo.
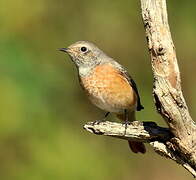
<point>106,115</point>
<point>103,120</point>
<point>126,122</point>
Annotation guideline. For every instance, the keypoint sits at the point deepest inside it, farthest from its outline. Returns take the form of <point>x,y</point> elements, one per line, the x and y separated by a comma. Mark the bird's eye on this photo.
<point>83,49</point>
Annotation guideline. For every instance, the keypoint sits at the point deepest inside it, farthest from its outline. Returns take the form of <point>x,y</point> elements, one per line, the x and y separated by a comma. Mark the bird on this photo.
<point>107,84</point>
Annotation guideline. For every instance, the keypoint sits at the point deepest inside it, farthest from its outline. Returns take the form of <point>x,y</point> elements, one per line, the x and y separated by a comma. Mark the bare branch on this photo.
<point>167,92</point>
<point>147,132</point>
<point>164,151</point>
<point>136,131</point>
<point>179,141</point>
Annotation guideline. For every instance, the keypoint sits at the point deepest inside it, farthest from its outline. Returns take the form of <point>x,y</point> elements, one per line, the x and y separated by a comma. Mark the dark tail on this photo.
<point>137,147</point>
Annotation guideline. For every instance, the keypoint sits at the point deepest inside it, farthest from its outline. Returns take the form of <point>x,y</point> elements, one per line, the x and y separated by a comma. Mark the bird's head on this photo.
<point>84,53</point>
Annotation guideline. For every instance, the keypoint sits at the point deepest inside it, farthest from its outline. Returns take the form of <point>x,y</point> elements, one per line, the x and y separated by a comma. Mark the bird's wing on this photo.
<point>125,74</point>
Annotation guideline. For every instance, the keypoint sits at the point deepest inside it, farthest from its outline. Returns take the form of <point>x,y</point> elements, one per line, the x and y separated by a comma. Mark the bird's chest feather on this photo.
<point>108,89</point>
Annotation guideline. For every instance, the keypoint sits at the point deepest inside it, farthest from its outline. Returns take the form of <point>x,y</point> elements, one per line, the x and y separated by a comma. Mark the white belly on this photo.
<point>102,103</point>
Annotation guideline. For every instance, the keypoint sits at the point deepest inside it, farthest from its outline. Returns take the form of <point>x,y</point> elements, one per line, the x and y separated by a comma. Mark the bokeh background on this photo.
<point>42,107</point>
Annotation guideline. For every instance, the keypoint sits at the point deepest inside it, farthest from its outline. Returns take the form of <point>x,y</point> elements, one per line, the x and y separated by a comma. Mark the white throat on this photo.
<point>84,70</point>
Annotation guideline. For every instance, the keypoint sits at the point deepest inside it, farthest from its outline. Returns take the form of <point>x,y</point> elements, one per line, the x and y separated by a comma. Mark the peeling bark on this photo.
<point>178,142</point>
<point>167,91</point>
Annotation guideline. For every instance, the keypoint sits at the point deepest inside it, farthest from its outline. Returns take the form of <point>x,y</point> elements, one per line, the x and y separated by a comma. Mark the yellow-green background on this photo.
<point>42,107</point>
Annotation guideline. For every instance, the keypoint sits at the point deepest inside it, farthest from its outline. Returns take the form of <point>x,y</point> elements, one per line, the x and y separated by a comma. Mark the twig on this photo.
<point>136,131</point>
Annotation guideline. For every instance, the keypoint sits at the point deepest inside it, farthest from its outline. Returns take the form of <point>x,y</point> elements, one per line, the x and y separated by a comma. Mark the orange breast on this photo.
<point>108,89</point>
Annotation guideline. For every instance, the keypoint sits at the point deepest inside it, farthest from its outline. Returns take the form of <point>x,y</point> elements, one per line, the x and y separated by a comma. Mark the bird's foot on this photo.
<point>97,122</point>
<point>103,120</point>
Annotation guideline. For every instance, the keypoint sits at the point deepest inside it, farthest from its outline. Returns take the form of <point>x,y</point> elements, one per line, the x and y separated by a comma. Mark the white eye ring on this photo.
<point>83,49</point>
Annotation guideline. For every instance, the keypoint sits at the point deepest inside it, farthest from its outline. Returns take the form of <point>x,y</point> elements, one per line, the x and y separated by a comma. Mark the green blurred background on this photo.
<point>42,107</point>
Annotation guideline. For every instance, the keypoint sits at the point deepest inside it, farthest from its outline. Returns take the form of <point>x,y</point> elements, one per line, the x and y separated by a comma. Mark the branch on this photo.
<point>178,142</point>
<point>148,132</point>
<point>135,131</point>
<point>167,91</point>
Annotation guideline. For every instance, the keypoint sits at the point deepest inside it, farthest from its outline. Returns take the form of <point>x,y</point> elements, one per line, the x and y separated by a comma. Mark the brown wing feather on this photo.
<point>123,71</point>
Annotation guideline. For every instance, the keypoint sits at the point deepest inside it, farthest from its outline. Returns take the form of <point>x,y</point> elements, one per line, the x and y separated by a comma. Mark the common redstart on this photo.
<point>107,84</point>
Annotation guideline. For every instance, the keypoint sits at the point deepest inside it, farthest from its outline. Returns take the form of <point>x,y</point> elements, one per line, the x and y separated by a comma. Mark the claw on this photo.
<point>103,120</point>
<point>97,122</point>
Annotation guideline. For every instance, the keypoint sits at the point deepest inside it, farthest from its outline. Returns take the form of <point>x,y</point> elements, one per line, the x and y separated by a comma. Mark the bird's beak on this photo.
<point>64,49</point>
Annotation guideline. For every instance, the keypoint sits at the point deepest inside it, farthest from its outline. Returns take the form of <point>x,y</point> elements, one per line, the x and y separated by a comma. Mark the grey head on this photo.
<point>85,54</point>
